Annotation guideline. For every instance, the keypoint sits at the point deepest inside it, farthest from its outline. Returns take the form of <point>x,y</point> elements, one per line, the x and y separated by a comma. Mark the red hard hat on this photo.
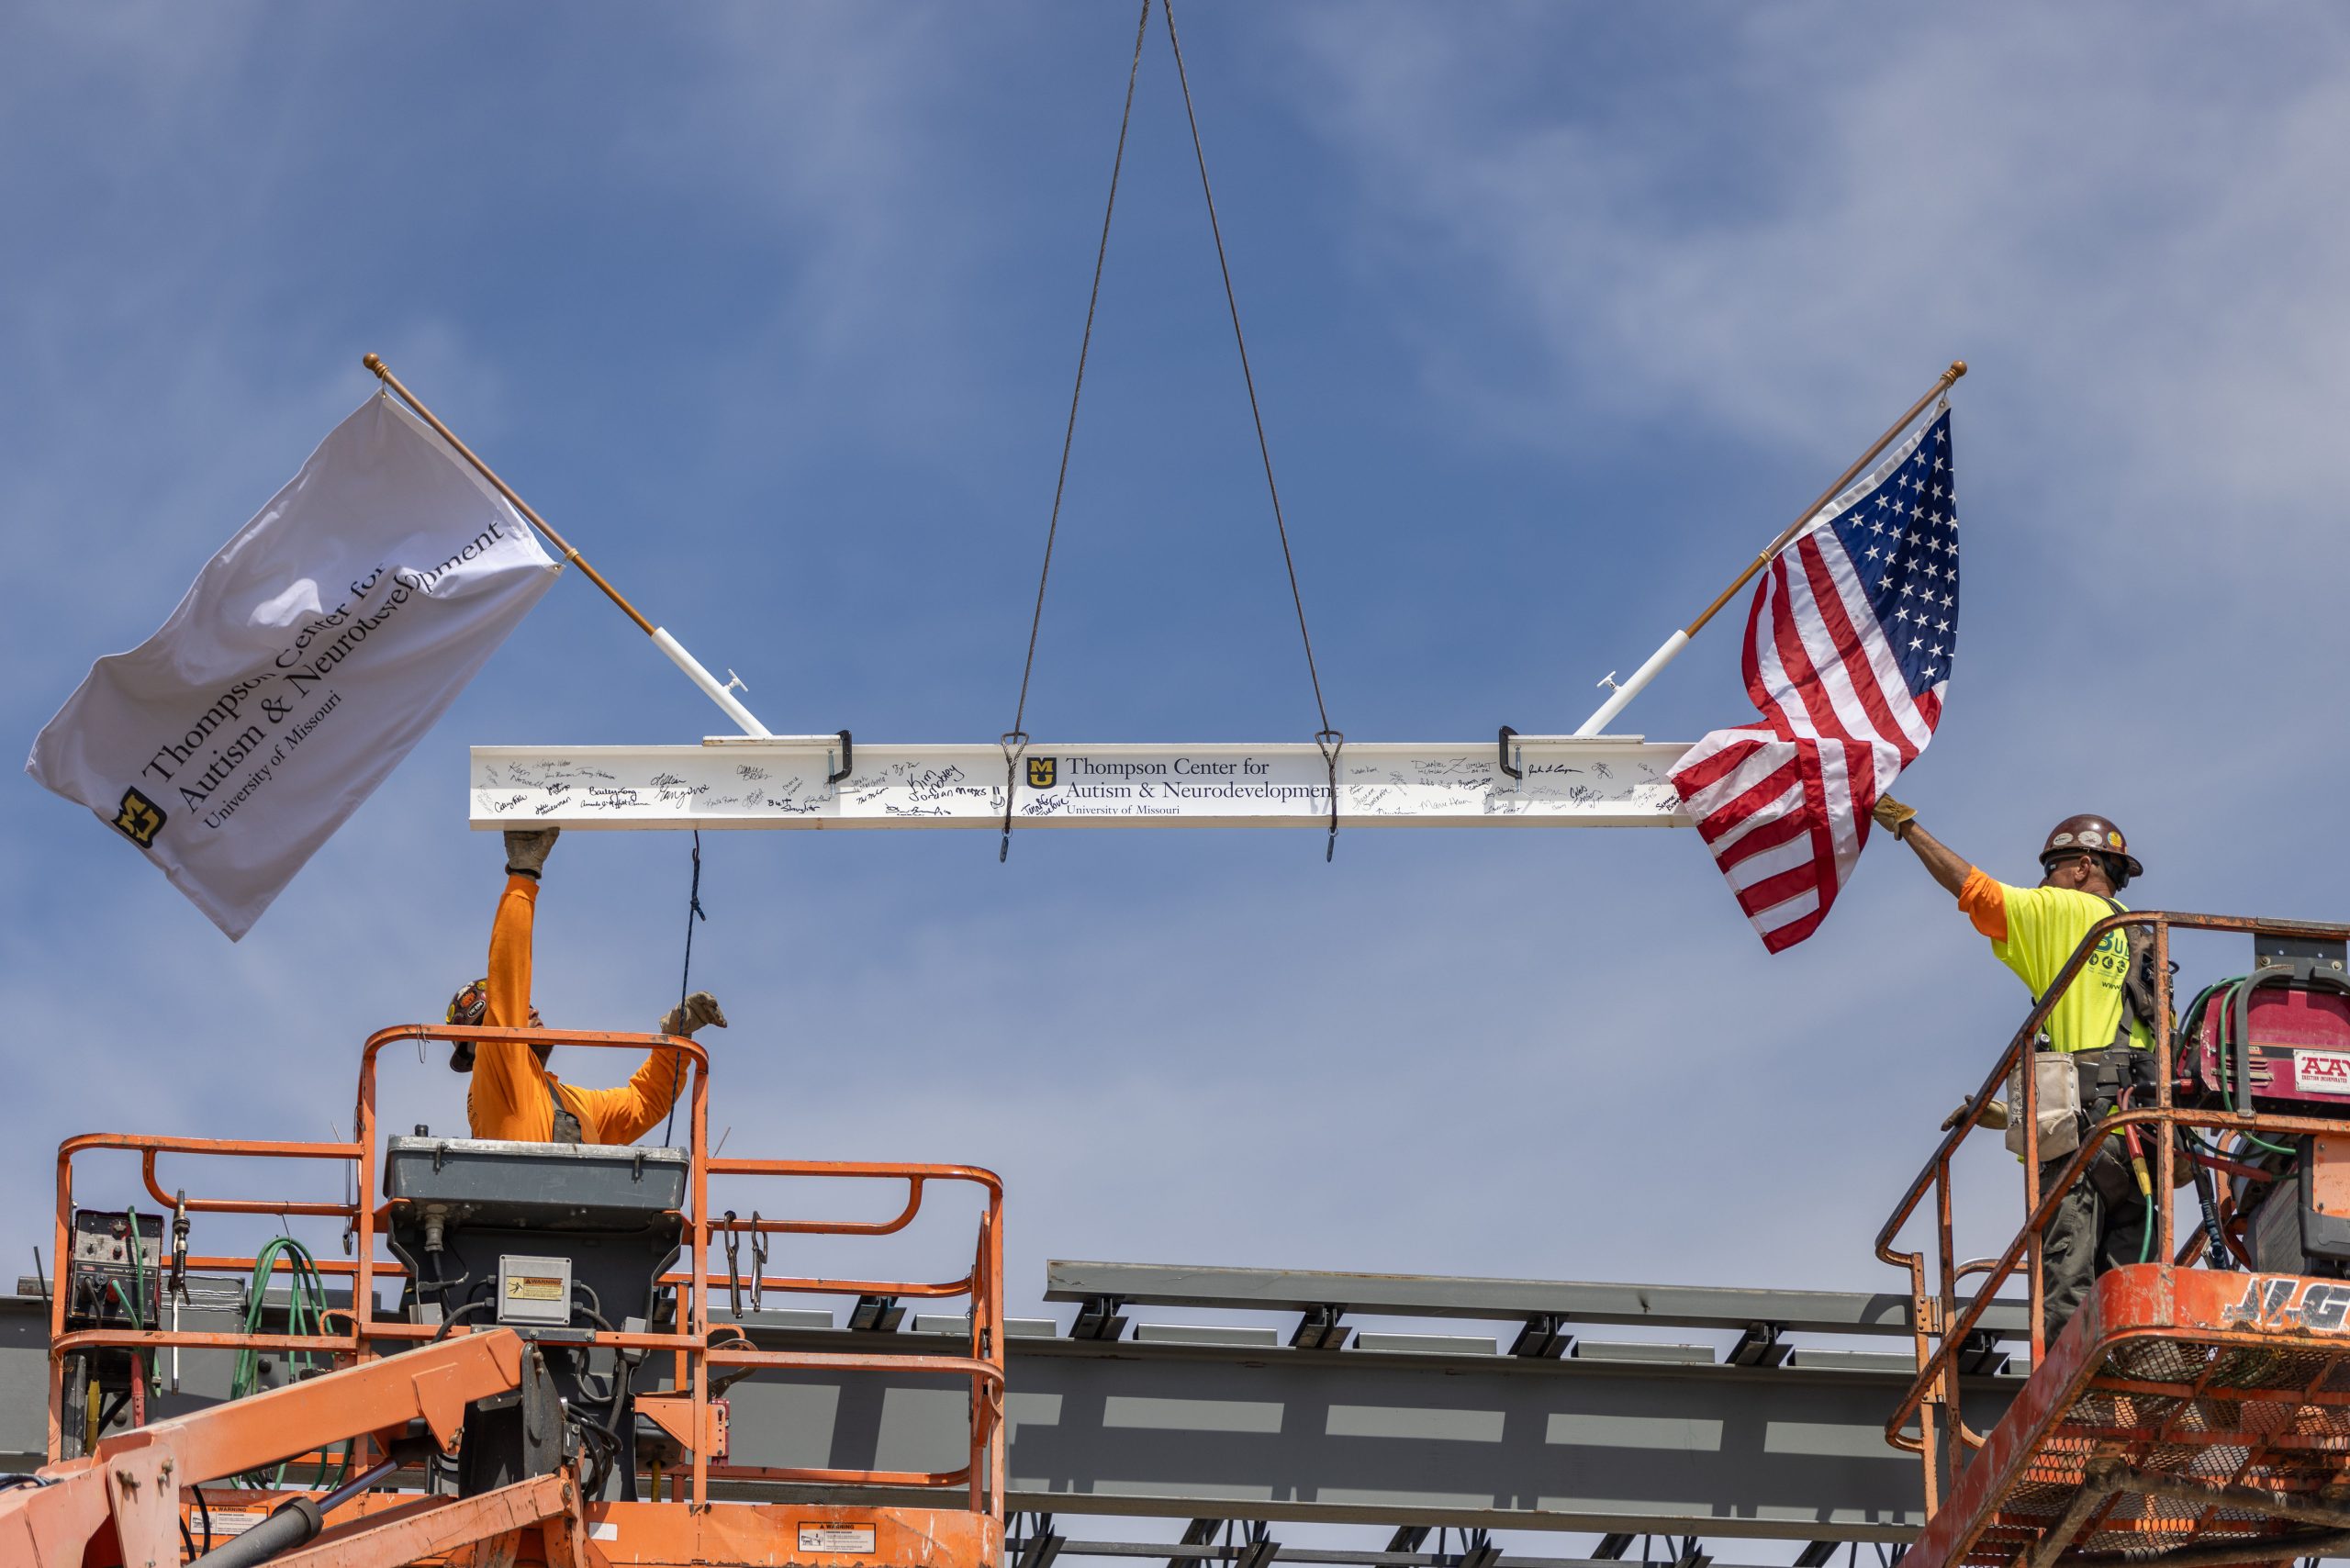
<point>2096,836</point>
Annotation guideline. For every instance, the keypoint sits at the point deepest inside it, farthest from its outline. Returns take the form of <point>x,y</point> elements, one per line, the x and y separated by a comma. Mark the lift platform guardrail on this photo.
<point>358,1333</point>
<point>2165,1418</point>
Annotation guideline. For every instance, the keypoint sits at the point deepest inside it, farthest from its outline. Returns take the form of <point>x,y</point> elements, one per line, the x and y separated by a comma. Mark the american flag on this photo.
<point>1848,652</point>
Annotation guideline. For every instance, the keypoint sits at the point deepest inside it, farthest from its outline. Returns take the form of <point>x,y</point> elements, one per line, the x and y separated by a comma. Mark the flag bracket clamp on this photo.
<point>839,747</point>
<point>1510,750</point>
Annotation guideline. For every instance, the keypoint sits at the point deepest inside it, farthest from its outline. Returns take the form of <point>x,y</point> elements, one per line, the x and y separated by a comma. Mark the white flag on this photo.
<point>311,654</point>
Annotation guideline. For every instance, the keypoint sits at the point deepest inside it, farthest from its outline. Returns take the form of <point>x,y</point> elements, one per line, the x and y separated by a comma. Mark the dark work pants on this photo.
<point>2090,1233</point>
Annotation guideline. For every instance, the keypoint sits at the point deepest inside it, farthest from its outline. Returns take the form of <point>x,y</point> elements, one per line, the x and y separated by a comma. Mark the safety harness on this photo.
<point>2106,1074</point>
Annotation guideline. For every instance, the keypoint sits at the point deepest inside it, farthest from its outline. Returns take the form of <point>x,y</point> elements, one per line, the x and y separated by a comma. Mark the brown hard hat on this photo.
<point>2096,836</point>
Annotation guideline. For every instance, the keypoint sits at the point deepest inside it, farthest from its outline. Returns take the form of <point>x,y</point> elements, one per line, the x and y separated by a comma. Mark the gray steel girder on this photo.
<point>1254,1431</point>
<point>1365,1437</point>
<point>1415,1295</point>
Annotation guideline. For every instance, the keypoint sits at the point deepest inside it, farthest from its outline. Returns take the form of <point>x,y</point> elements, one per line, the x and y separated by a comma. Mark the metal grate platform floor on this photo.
<point>2198,1418</point>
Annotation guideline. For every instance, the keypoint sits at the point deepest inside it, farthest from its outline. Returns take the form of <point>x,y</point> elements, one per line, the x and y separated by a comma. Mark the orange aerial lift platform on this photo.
<point>548,1390</point>
<point>2195,1410</point>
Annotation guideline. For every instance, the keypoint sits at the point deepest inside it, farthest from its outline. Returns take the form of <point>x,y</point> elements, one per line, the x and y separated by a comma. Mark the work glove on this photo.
<point>526,848</point>
<point>1994,1115</point>
<point>701,1008</point>
<point>1893,816</point>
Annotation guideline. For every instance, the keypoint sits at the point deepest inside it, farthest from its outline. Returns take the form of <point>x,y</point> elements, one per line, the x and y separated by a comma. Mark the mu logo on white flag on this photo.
<point>311,654</point>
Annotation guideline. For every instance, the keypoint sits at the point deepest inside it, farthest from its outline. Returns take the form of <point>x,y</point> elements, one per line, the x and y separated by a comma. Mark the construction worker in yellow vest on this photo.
<point>513,1094</point>
<point>2102,1021</point>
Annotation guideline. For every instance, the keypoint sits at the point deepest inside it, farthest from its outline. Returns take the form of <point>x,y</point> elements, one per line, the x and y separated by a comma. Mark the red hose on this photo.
<point>2233,1168</point>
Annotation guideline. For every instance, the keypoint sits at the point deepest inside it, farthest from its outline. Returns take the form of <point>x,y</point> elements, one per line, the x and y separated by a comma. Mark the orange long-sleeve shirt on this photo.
<point>1984,902</point>
<point>513,1095</point>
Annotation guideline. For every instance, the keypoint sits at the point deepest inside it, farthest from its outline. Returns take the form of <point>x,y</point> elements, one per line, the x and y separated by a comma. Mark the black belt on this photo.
<point>2104,1073</point>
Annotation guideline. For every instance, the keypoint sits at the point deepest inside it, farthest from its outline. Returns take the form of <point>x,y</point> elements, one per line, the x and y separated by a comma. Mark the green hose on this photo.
<point>140,1366</point>
<point>138,1265</point>
<point>306,1309</point>
<point>2188,1023</point>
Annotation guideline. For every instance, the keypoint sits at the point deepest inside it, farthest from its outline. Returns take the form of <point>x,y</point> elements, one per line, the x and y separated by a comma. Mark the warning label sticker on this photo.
<point>854,1539</point>
<point>235,1521</point>
<point>533,1287</point>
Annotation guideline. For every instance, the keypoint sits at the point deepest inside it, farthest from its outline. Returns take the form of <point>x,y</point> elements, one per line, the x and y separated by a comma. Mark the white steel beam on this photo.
<point>781,782</point>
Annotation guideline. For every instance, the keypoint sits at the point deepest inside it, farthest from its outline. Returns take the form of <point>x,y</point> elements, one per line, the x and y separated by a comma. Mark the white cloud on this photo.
<point>2114,217</point>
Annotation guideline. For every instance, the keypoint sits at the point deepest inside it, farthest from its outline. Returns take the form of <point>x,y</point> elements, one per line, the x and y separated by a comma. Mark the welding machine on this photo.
<point>2278,1040</point>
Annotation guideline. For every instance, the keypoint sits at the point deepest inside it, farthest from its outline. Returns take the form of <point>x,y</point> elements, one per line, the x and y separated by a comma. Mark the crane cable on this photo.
<point>1015,741</point>
<point>1011,751</point>
<point>1328,739</point>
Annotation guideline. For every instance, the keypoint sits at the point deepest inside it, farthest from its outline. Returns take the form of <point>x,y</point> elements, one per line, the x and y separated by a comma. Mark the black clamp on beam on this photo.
<point>1199,1532</point>
<point>1544,1337</point>
<point>1259,1550</point>
<point>1760,1346</point>
<point>848,760</point>
<point>1980,1356</point>
<point>876,1315</point>
<point>1099,1319</point>
<point>1508,736</point>
<point>1320,1330</point>
<point>1039,1546</point>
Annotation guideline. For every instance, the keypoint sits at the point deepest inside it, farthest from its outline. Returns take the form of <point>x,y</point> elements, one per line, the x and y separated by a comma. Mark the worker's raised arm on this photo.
<point>510,1098</point>
<point>628,1113</point>
<point>1942,862</point>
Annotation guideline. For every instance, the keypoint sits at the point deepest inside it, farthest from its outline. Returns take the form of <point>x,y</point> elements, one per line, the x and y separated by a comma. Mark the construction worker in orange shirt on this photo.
<point>513,1095</point>
<point>2103,1023</point>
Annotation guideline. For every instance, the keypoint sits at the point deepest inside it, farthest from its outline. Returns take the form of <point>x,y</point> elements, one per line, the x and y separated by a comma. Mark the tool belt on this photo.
<point>2102,1075</point>
<point>2076,1091</point>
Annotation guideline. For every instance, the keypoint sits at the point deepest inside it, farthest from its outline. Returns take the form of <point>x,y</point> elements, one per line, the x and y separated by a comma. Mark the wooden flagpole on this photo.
<point>1679,640</point>
<point>721,695</point>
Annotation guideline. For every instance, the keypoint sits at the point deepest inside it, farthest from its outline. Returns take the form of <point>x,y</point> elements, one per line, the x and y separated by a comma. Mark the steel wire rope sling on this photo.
<point>1015,741</point>
<point>685,981</point>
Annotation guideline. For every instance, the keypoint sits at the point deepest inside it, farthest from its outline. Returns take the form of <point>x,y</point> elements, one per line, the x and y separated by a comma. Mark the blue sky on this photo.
<point>1557,313</point>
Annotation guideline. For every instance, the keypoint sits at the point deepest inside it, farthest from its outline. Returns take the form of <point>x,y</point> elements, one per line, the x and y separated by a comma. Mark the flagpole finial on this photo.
<point>1957,367</point>
<point>374,362</point>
